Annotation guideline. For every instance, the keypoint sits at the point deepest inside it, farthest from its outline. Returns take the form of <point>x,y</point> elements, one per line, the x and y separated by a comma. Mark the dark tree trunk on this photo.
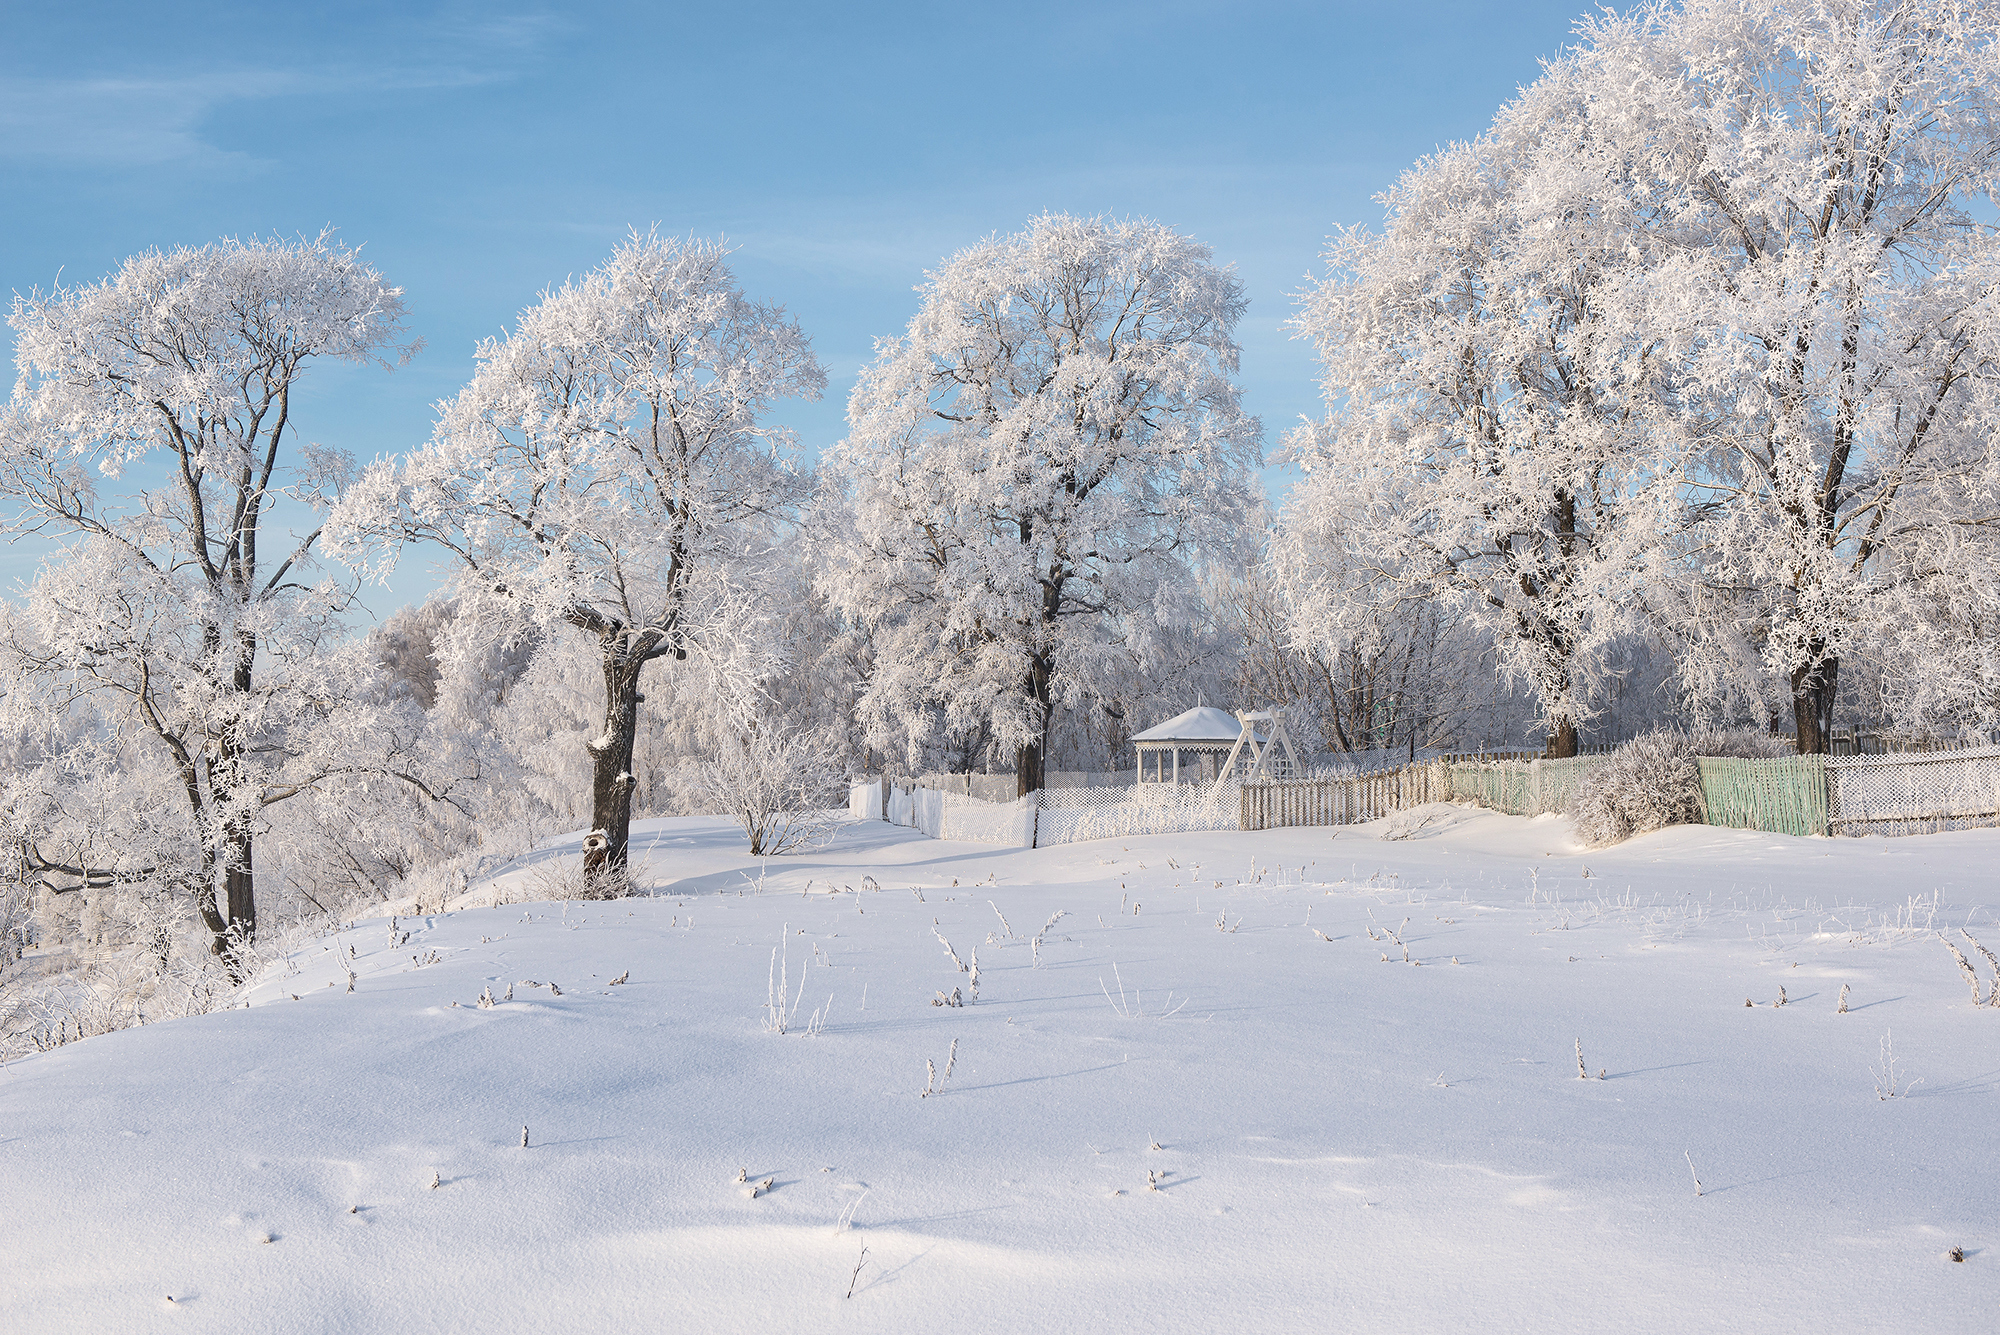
<point>611,777</point>
<point>1030,760</point>
<point>239,898</point>
<point>1562,740</point>
<point>236,898</point>
<point>1812,705</point>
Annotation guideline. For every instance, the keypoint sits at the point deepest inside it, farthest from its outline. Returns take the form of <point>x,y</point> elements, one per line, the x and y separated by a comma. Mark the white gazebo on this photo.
<point>1203,731</point>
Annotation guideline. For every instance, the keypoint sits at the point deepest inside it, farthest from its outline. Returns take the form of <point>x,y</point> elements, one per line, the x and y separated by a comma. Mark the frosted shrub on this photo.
<point>1653,781</point>
<point>778,785</point>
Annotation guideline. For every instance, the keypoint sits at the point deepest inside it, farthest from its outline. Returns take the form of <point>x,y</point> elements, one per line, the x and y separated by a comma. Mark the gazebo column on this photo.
<point>1177,765</point>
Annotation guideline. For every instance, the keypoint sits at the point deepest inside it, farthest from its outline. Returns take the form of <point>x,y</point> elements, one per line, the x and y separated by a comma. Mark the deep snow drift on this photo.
<point>1209,1104</point>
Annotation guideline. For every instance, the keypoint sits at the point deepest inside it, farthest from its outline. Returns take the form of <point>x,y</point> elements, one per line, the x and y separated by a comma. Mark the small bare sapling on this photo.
<point>1843,1000</point>
<point>1582,1071</point>
<point>855,1278</point>
<point>1007,931</point>
<point>1691,1173</point>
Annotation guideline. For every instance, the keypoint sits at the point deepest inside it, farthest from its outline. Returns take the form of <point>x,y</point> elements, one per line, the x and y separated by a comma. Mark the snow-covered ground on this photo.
<point>1339,1140</point>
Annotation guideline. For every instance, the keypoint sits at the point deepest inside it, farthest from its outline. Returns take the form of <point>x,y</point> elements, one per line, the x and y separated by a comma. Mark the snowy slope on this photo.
<point>1346,1144</point>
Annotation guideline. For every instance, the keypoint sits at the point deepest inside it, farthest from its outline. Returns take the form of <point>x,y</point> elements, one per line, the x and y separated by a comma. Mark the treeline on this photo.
<point>1667,400</point>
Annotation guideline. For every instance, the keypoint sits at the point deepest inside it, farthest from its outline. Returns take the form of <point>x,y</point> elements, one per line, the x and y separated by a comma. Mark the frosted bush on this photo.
<point>1653,781</point>
<point>776,782</point>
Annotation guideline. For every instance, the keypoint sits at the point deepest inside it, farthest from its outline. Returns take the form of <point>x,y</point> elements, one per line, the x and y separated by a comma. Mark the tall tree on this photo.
<point>1822,269</point>
<point>603,468</point>
<point>1479,451</point>
<point>1030,472</point>
<point>175,376</point>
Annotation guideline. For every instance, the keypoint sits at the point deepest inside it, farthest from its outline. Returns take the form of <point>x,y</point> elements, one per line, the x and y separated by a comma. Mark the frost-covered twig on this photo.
<point>846,1219</point>
<point>1888,1085</point>
<point>1964,967</point>
<point>780,1007</point>
<point>935,1083</point>
<point>948,950</point>
<point>1035,944</point>
<point>1992,992</point>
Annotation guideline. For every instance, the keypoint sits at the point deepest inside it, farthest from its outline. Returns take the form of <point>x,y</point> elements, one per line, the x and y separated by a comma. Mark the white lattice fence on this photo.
<point>1914,793</point>
<point>1060,815</point>
<point>1072,815</point>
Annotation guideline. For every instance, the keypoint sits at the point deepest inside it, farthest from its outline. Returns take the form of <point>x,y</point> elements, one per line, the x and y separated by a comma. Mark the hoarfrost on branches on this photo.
<point>604,470</point>
<point>182,612</point>
<point>1030,472</point>
<point>1479,450</point>
<point>1823,283</point>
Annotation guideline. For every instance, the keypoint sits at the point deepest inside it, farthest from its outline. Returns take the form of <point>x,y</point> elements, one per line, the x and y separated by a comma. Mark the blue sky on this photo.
<point>481,153</point>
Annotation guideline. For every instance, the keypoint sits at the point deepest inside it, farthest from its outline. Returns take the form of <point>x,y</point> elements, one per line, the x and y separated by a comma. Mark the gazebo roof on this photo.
<point>1203,723</point>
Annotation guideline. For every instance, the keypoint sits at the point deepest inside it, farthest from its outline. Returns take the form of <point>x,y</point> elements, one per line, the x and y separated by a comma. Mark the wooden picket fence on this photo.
<point>1270,806</point>
<point>1787,795</point>
<point>1797,795</point>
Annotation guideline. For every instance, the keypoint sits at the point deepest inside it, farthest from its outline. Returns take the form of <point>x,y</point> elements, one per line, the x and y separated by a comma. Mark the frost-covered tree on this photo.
<point>1820,268</point>
<point>604,468</point>
<point>1480,454</point>
<point>153,422</point>
<point>1409,677</point>
<point>1031,471</point>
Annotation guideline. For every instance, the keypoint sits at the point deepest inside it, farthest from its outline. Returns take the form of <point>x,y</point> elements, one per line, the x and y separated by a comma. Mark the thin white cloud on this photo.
<point>121,122</point>
<point>114,121</point>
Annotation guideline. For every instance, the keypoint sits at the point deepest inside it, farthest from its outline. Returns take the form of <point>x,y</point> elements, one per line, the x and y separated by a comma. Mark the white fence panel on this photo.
<point>864,801</point>
<point>1073,815</point>
<point>1008,823</point>
<point>1915,792</point>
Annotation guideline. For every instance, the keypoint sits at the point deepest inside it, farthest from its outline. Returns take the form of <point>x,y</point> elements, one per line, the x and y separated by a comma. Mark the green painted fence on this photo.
<point>1521,787</point>
<point>1783,796</point>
